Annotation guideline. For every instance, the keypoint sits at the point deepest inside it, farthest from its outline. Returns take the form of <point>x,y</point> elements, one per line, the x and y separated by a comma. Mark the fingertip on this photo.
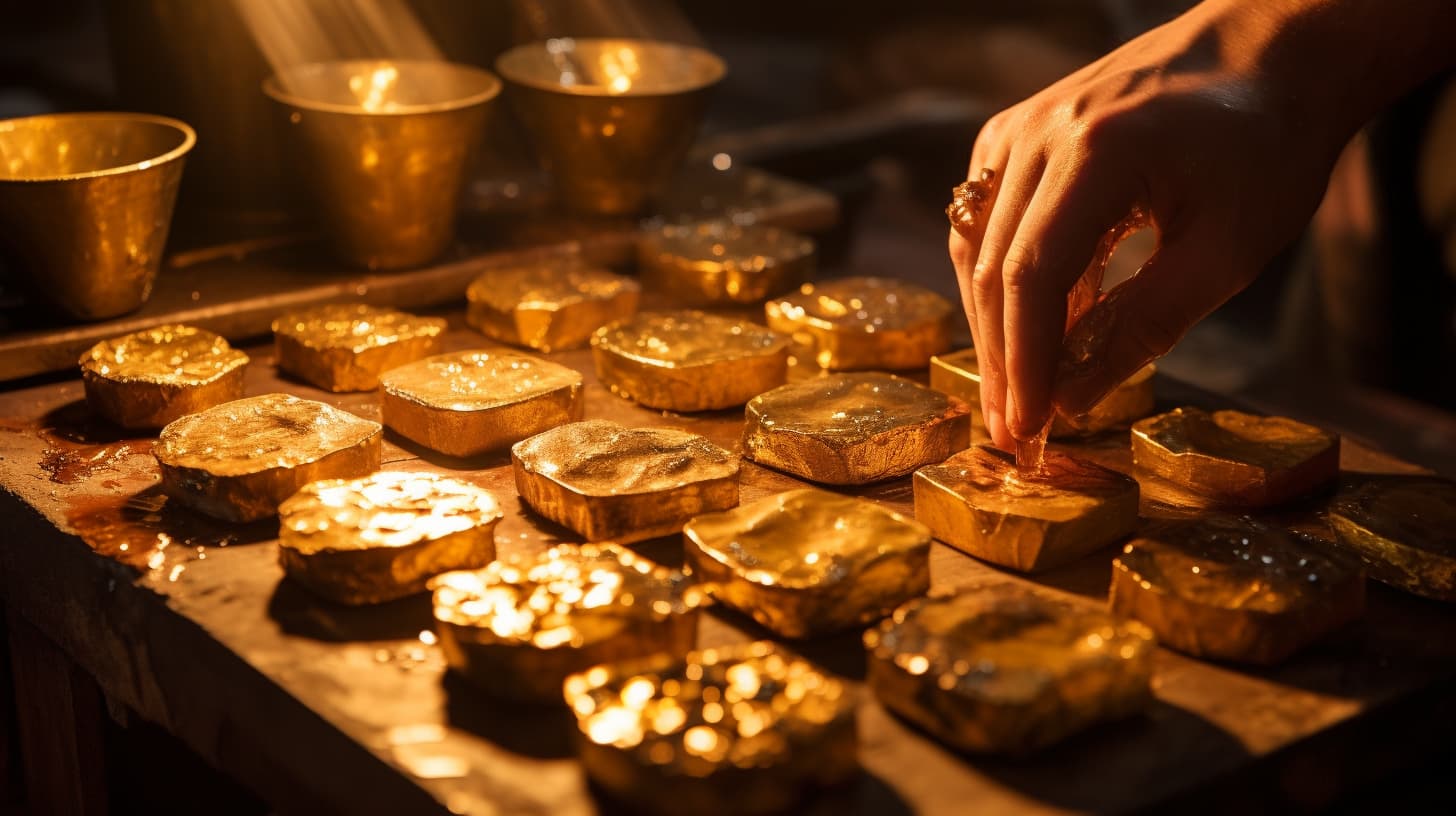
<point>996,428</point>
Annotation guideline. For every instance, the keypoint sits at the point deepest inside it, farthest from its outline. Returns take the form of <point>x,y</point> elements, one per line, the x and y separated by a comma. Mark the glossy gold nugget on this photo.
<point>553,306</point>
<point>689,360</point>
<point>239,460</point>
<point>721,263</point>
<point>1403,528</point>
<point>1234,589</point>
<point>746,729</point>
<point>850,324</point>
<point>466,403</point>
<point>345,347</point>
<point>148,378</point>
<point>604,481</point>
<point>979,502</point>
<point>809,562</point>
<point>999,670</point>
<point>519,626</point>
<point>1237,459</point>
<point>853,428</point>
<point>369,540</point>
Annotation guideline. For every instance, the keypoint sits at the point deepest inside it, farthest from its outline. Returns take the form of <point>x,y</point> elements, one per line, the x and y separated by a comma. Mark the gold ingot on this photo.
<point>521,625</point>
<point>382,537</point>
<point>1237,459</point>
<point>849,324</point>
<point>1234,589</point>
<point>466,403</point>
<point>1002,671</point>
<point>85,204</point>
<point>346,346</point>
<point>604,481</point>
<point>1403,528</point>
<point>148,378</point>
<point>611,119</point>
<point>552,306</point>
<point>382,148</point>
<point>747,729</point>
<point>809,562</point>
<point>979,502</point>
<point>239,460</point>
<point>854,428</point>
<point>689,360</point>
<point>722,263</point>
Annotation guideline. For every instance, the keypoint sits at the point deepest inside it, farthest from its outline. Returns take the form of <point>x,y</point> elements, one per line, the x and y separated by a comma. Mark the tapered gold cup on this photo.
<point>85,204</point>
<point>382,148</point>
<point>611,119</point>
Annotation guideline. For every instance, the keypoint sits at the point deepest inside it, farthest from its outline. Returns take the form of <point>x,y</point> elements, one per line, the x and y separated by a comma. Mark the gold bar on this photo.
<point>239,460</point>
<point>346,346</point>
<point>551,306</point>
<point>721,263</point>
<point>689,360</point>
<point>1403,528</point>
<point>466,403</point>
<point>809,562</point>
<point>850,324</point>
<point>604,481</point>
<point>149,378</point>
<point>382,537</point>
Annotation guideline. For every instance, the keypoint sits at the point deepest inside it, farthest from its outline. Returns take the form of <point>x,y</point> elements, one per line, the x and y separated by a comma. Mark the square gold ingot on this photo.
<point>809,562</point>
<point>149,378</point>
<point>521,625</point>
<point>1002,671</point>
<point>346,346</point>
<point>604,481</point>
<point>239,460</point>
<point>849,429</point>
<point>689,360</point>
<point>466,403</point>
<point>720,263</point>
<point>979,502</point>
<point>1403,528</point>
<point>1234,589</point>
<point>551,306</point>
<point>851,324</point>
<point>746,729</point>
<point>375,539</point>
<point>1237,459</point>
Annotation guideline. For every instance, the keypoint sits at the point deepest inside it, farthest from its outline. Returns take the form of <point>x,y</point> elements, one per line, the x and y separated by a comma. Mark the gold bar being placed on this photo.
<point>149,378</point>
<point>719,263</point>
<point>346,346</point>
<point>1403,528</point>
<point>850,324</point>
<point>551,306</point>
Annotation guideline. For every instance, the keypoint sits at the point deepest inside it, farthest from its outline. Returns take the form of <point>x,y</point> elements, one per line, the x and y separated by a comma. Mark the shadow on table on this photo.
<point>529,729</point>
<point>299,612</point>
<point>840,652</point>
<point>865,794</point>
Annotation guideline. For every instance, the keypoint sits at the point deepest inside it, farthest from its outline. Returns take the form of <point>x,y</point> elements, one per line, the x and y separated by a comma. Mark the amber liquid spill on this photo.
<point>144,531</point>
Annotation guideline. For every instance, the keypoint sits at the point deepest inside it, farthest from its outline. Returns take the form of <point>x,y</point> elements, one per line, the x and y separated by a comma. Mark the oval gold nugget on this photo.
<point>148,378</point>
<point>746,729</point>
<point>519,626</point>
<point>1002,671</point>
<point>604,481</point>
<point>1403,528</point>
<point>552,306</point>
<point>715,262</point>
<point>238,461</point>
<point>467,403</point>
<point>809,562</point>
<point>345,347</point>
<point>370,540</point>
<point>849,324</point>
<point>689,360</point>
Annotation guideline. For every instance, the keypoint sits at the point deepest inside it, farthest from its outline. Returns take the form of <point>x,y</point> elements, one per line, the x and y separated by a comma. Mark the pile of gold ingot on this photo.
<point>717,262</point>
<point>1403,528</point>
<point>851,324</point>
<point>551,306</point>
<point>345,347</point>
<point>149,378</point>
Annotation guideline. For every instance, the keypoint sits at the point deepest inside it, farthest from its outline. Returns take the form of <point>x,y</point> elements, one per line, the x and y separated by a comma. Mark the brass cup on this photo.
<point>382,148</point>
<point>611,118</point>
<point>85,204</point>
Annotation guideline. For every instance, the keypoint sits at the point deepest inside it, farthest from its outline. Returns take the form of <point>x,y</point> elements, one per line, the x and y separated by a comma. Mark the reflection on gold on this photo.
<point>551,306</point>
<point>1403,528</point>
<point>721,263</point>
<point>346,346</point>
<point>863,323</point>
<point>148,378</point>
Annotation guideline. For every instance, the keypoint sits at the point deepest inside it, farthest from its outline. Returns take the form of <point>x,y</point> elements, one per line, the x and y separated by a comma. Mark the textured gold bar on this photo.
<point>979,502</point>
<point>521,625</point>
<point>239,460</point>
<point>849,324</point>
<point>957,374</point>
<point>853,428</point>
<point>809,562</point>
<point>375,539</point>
<point>346,346</point>
<point>1403,528</point>
<point>552,306</point>
<point>148,378</point>
<point>1002,671</point>
<point>466,403</point>
<point>1237,459</point>
<point>604,481</point>
<point>746,729</point>
<point>719,263</point>
<point>1234,589</point>
<point>689,360</point>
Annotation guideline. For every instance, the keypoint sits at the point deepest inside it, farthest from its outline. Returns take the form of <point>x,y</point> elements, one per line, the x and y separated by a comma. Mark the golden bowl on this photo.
<point>611,118</point>
<point>382,147</point>
<point>85,204</point>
